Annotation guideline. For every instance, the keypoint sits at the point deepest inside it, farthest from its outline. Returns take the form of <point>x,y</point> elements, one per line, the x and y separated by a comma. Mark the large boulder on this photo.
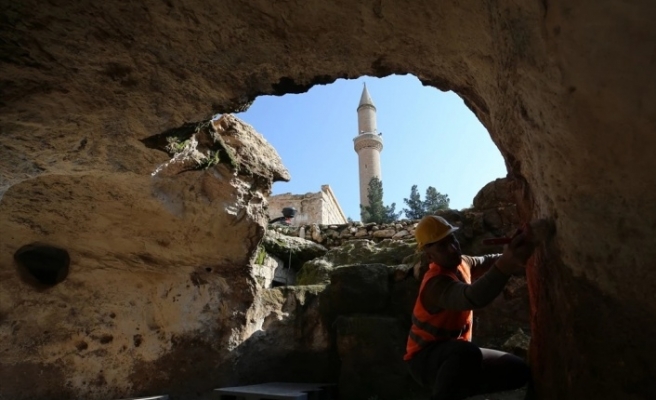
<point>145,280</point>
<point>359,289</point>
<point>359,251</point>
<point>499,192</point>
<point>293,251</point>
<point>371,352</point>
<point>291,341</point>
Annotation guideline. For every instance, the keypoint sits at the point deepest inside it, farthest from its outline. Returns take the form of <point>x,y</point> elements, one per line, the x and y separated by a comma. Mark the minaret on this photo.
<point>368,144</point>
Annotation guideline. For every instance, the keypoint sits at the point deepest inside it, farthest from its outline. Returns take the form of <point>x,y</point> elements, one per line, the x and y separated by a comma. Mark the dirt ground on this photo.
<point>510,395</point>
<point>518,394</point>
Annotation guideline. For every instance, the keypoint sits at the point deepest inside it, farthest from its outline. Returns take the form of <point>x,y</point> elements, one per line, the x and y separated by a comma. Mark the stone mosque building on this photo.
<point>322,207</point>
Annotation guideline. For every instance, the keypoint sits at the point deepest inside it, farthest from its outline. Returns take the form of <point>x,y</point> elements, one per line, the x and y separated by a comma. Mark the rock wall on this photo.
<point>565,90</point>
<point>493,217</point>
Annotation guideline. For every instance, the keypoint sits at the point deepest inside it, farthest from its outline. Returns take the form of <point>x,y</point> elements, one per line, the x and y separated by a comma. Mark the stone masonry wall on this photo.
<point>308,206</point>
<point>334,235</point>
<point>311,208</point>
<point>331,212</point>
<point>474,224</point>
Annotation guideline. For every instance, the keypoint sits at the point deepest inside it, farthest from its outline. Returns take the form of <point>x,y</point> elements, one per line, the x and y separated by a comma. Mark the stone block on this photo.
<point>359,289</point>
<point>384,233</point>
<point>371,349</point>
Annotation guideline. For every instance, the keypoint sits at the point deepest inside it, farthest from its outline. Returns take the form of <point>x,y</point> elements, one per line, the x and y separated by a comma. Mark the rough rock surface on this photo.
<point>359,289</point>
<point>294,249</point>
<point>292,341</point>
<point>371,349</point>
<point>495,194</point>
<point>159,274</point>
<point>359,251</point>
<point>564,88</point>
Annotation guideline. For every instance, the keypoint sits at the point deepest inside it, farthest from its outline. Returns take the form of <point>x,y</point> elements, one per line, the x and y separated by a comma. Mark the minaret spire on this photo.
<point>365,99</point>
<point>368,144</point>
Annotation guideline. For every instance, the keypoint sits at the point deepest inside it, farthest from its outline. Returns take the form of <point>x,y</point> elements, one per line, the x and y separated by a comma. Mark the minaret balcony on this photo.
<point>368,141</point>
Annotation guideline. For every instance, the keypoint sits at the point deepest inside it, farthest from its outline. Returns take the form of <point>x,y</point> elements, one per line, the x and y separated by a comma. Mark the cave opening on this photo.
<point>431,139</point>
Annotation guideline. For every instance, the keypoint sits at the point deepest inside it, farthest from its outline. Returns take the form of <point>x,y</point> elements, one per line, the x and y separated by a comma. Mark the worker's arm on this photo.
<point>442,292</point>
<point>481,262</point>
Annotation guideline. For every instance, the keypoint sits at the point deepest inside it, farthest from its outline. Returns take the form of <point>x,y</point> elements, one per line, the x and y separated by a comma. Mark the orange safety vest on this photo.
<point>445,324</point>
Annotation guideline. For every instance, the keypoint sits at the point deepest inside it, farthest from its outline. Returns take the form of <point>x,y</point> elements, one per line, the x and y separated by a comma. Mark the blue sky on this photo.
<point>430,139</point>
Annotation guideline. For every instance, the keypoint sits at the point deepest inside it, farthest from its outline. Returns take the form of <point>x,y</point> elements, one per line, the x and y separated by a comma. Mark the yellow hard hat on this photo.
<point>431,229</point>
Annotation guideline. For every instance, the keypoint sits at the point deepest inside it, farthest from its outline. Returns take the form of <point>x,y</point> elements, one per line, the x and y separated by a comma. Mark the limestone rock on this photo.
<point>388,252</point>
<point>362,288</point>
<point>496,193</point>
<point>315,272</point>
<point>402,271</point>
<point>288,248</point>
<point>403,294</point>
<point>384,233</point>
<point>248,149</point>
<point>272,269</point>
<point>518,344</point>
<point>290,335</point>
<point>316,233</point>
<point>361,233</point>
<point>159,271</point>
<point>226,140</point>
<point>364,342</point>
<point>400,234</point>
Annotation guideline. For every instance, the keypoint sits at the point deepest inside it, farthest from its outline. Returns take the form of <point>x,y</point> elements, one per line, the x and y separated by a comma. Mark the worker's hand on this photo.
<point>517,252</point>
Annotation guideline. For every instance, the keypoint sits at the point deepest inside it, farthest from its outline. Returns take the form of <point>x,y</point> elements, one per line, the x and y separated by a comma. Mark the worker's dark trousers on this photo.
<point>458,369</point>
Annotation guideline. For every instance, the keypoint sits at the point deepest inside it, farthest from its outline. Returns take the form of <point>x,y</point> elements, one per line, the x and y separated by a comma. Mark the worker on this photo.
<point>439,352</point>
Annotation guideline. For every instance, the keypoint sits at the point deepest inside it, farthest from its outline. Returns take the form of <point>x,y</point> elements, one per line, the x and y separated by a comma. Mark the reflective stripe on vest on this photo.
<point>423,343</point>
<point>438,332</point>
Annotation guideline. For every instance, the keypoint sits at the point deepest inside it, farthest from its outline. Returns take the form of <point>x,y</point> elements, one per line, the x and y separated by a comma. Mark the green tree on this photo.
<point>376,211</point>
<point>415,208</point>
<point>435,201</point>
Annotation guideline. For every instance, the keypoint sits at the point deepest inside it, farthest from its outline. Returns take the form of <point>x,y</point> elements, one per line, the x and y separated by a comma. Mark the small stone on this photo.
<point>518,344</point>
<point>361,233</point>
<point>400,234</point>
<point>386,233</point>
